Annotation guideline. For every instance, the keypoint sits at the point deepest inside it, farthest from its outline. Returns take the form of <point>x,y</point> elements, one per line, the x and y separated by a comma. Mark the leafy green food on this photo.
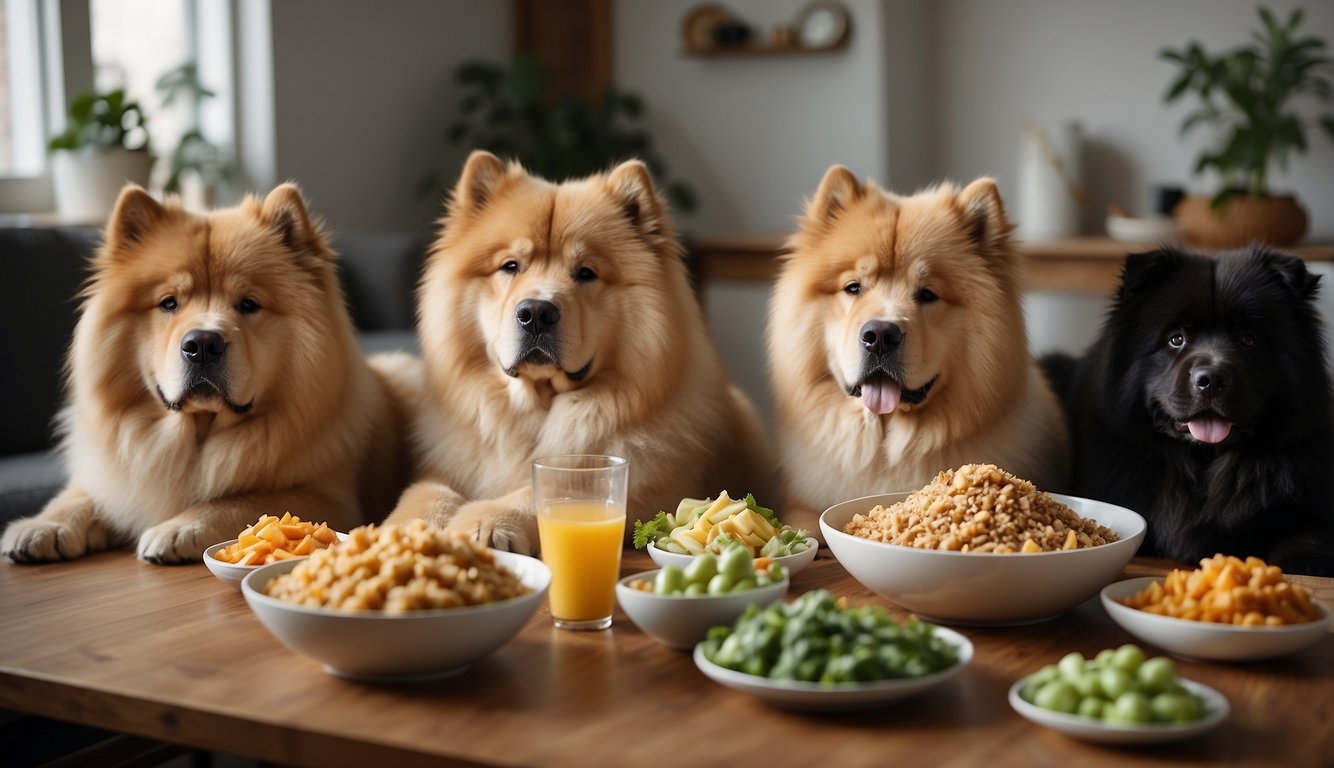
<point>815,639</point>
<point>660,526</point>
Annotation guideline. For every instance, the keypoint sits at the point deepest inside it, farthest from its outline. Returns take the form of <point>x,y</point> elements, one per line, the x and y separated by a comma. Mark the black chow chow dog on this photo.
<point>1204,405</point>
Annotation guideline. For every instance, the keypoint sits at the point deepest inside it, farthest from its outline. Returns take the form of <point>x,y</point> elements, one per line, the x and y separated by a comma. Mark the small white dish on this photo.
<point>680,621</point>
<point>1207,640</point>
<point>1216,710</point>
<point>793,563</point>
<point>818,697</point>
<point>231,573</point>
<point>1142,229</point>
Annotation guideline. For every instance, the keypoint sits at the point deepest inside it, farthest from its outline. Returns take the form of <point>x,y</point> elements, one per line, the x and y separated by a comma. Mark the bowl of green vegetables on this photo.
<point>713,524</point>
<point>817,654</point>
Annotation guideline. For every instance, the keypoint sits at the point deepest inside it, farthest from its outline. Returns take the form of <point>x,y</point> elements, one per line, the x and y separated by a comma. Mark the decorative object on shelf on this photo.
<point>1051,180</point>
<point>711,29</point>
<point>104,145</point>
<point>821,25</point>
<point>513,113</point>
<point>1247,94</point>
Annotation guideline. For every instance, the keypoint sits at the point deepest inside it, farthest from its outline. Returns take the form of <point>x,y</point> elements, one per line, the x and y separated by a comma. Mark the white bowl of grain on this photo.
<point>984,588</point>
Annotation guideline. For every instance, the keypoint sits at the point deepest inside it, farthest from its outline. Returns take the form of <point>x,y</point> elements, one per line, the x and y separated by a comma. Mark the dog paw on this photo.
<point>509,530</point>
<point>37,540</point>
<point>175,542</point>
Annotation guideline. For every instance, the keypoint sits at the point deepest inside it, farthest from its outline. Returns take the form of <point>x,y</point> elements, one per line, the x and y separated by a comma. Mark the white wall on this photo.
<point>363,92</point>
<point>754,135</point>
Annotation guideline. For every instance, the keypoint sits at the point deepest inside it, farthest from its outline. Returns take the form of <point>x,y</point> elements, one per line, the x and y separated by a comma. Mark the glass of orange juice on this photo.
<point>580,502</point>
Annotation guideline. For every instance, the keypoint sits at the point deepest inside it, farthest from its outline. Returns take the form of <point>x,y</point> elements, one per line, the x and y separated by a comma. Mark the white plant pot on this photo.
<point>88,181</point>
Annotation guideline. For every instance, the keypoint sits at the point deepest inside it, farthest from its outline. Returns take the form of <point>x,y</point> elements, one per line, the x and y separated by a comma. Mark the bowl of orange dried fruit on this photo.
<point>270,539</point>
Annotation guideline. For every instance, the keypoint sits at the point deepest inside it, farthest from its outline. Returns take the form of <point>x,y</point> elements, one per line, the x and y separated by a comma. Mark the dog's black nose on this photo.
<point>203,348</point>
<point>537,316</point>
<point>1210,378</point>
<point>879,336</point>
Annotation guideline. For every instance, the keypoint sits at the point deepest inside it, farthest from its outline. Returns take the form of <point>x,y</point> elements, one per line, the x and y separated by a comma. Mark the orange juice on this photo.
<point>581,543</point>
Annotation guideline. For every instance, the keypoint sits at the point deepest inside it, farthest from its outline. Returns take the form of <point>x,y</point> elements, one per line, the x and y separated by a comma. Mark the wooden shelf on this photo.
<point>756,49</point>
<point>1089,264</point>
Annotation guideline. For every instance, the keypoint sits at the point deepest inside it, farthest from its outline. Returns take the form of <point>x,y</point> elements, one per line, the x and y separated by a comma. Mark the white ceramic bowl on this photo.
<point>1216,711</point>
<point>1207,640</point>
<point>801,695</point>
<point>1142,229</point>
<point>793,563</point>
<point>982,588</point>
<point>408,646</point>
<point>680,621</point>
<point>231,573</point>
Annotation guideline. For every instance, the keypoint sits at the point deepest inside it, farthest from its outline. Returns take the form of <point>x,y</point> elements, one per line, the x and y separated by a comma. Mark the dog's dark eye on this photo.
<point>168,304</point>
<point>1247,340</point>
<point>247,306</point>
<point>853,288</point>
<point>925,296</point>
<point>585,275</point>
<point>510,267</point>
<point>1176,341</point>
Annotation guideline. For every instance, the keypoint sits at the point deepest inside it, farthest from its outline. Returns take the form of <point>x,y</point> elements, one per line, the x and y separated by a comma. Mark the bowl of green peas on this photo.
<point>1118,697</point>
<point>677,606</point>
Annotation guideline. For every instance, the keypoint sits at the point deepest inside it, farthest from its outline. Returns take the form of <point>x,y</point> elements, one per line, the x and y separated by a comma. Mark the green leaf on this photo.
<point>652,530</point>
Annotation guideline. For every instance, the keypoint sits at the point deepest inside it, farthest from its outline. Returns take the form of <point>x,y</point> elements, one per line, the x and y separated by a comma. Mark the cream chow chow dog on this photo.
<point>558,318</point>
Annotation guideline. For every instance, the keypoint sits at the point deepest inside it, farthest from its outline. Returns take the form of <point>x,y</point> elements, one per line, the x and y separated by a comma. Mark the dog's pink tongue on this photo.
<point>1209,430</point>
<point>880,396</point>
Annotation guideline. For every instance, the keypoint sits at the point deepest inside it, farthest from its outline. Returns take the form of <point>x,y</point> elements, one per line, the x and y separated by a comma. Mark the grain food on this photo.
<point>271,539</point>
<point>980,508</point>
<point>1228,590</point>
<point>396,569</point>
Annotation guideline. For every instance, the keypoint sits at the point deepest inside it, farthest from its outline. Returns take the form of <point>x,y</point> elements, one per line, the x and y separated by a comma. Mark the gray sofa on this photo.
<point>41,269</point>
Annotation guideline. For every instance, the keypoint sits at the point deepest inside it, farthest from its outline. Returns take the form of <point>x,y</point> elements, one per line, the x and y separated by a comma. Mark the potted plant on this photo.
<point>1248,95</point>
<point>196,167</point>
<point>512,113</point>
<point>105,144</point>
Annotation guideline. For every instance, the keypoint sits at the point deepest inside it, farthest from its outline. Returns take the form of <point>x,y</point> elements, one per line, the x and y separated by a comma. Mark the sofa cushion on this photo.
<point>27,482</point>
<point>380,271</point>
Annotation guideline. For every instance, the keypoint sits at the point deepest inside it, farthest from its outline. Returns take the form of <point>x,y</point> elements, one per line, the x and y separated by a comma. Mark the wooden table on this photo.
<point>1088,264</point>
<point>171,653</point>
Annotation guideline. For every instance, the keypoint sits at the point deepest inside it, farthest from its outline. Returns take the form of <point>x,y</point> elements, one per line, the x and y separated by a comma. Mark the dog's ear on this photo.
<point>632,186</point>
<point>838,190</point>
<point>1143,270</point>
<point>482,174</point>
<point>984,214</point>
<point>136,211</point>
<point>285,210</point>
<point>1291,270</point>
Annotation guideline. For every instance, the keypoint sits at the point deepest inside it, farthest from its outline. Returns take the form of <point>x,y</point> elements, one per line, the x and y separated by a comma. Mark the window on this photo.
<point>21,129</point>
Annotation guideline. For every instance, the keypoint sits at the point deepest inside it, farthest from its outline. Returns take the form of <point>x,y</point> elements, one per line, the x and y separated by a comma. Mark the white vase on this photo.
<point>1051,181</point>
<point>87,181</point>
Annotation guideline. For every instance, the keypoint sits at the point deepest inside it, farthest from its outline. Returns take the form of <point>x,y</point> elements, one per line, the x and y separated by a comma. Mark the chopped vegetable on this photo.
<point>712,525</point>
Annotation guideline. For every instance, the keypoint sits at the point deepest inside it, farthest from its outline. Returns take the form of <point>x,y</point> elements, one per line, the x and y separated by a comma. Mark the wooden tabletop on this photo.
<point>171,653</point>
<point>1090,264</point>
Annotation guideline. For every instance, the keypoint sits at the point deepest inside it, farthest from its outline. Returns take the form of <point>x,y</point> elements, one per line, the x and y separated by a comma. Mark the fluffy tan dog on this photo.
<point>897,346</point>
<point>558,318</point>
<point>214,376</point>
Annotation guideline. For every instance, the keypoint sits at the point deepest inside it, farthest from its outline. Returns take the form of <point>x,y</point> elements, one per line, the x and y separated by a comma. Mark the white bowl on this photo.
<point>793,563</point>
<point>796,694</point>
<point>978,587</point>
<point>1215,704</point>
<point>231,573</point>
<point>680,621</point>
<point>1146,229</point>
<point>407,646</point>
<point>1207,640</point>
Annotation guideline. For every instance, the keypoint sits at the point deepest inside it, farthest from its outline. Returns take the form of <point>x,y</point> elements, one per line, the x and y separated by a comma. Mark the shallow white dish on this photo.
<point>1216,710</point>
<point>982,588</point>
<point>1207,640</point>
<point>793,563</point>
<point>680,621</point>
<point>231,573</point>
<point>391,647</point>
<point>1142,229</point>
<point>839,696</point>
